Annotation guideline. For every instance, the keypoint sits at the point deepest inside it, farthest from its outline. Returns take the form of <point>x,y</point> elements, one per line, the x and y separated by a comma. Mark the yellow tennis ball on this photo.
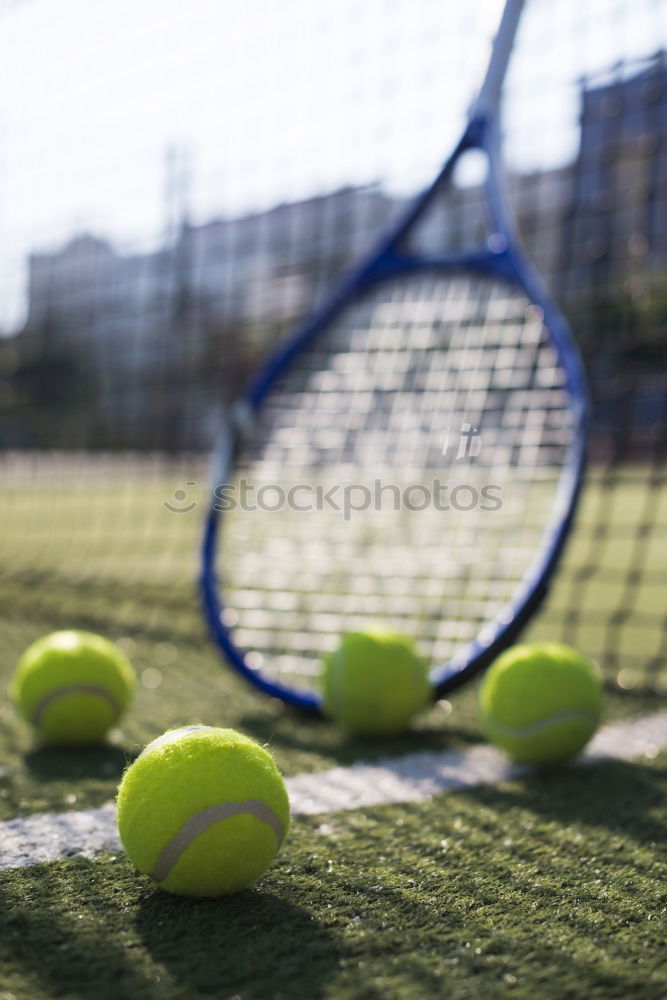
<point>375,682</point>
<point>541,702</point>
<point>72,686</point>
<point>203,811</point>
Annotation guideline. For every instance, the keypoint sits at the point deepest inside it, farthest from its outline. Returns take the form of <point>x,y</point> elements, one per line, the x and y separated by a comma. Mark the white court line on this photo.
<point>413,778</point>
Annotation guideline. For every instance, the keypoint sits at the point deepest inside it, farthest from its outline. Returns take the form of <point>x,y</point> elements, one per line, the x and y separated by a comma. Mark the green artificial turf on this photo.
<point>552,887</point>
<point>188,684</point>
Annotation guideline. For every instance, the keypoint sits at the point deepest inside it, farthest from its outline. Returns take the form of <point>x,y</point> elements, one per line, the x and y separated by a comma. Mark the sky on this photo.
<point>265,101</point>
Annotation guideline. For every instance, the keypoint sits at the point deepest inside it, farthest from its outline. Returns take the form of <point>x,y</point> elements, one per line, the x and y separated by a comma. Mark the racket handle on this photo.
<point>489,96</point>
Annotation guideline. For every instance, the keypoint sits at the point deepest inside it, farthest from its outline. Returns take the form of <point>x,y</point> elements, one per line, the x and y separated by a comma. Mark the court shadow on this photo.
<point>57,932</point>
<point>619,796</point>
<point>503,944</point>
<point>50,763</point>
<point>93,930</point>
<point>254,944</point>
<point>308,734</point>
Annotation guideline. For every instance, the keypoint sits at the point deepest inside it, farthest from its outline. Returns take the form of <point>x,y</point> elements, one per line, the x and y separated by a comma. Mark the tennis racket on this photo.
<point>411,455</point>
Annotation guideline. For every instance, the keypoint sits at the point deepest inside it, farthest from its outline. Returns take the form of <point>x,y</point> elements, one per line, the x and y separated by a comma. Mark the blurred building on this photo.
<point>134,350</point>
<point>272,265</point>
<point>151,340</point>
<point>614,275</point>
<point>260,266</point>
<point>618,224</point>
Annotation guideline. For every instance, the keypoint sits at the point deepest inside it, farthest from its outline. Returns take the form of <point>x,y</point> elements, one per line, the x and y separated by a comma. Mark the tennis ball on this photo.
<point>72,686</point>
<point>203,811</point>
<point>375,682</point>
<point>541,702</point>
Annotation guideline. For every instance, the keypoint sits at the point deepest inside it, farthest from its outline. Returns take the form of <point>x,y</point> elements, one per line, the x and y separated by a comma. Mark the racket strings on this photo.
<point>434,417</point>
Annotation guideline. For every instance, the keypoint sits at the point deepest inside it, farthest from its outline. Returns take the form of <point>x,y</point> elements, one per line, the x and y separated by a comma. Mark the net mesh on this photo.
<point>165,225</point>
<point>403,471</point>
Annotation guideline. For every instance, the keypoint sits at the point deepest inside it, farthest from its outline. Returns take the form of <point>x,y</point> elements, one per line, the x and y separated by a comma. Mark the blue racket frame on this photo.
<point>502,259</point>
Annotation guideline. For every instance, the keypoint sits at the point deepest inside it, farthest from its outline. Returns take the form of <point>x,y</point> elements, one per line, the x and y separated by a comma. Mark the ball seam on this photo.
<point>541,724</point>
<point>72,689</point>
<point>200,823</point>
